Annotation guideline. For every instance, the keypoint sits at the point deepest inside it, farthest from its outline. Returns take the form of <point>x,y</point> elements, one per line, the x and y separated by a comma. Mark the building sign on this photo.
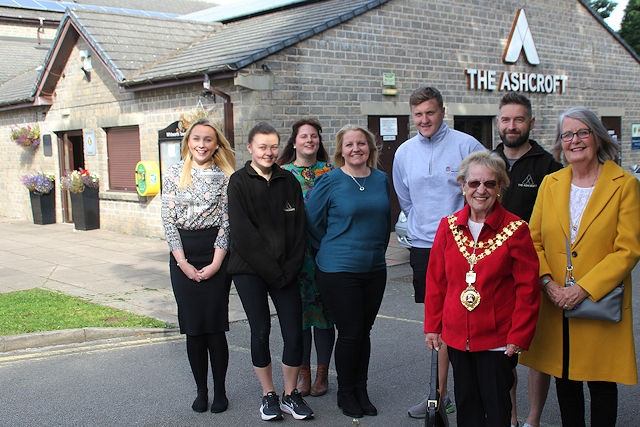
<point>635,136</point>
<point>517,82</point>
<point>520,40</point>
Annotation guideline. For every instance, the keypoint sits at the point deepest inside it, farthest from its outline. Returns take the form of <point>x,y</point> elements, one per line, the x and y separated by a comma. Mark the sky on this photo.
<point>613,21</point>
<point>617,15</point>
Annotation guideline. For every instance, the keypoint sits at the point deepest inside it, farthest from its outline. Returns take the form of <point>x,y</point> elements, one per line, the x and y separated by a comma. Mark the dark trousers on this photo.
<point>354,300</point>
<point>253,292</point>
<point>419,259</point>
<point>482,381</point>
<point>604,403</point>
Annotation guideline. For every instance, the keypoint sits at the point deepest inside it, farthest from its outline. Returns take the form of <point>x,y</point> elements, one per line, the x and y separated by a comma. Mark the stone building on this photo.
<point>130,82</point>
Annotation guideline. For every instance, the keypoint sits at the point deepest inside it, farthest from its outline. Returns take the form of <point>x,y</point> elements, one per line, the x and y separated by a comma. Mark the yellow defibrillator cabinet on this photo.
<point>147,178</point>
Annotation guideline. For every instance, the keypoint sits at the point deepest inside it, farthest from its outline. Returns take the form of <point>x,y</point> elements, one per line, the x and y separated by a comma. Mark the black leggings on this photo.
<point>324,339</point>
<point>253,292</point>
<point>202,349</point>
<point>604,402</point>
<point>354,300</point>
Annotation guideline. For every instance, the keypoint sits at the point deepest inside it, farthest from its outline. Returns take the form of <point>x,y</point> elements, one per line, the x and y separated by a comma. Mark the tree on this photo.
<point>603,7</point>
<point>630,25</point>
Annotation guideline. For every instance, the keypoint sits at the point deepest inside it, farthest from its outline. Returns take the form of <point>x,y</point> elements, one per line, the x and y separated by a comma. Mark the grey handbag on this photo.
<point>608,308</point>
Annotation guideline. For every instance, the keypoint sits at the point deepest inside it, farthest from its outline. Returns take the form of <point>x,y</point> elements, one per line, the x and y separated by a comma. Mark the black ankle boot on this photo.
<point>201,402</point>
<point>349,403</point>
<point>363,399</point>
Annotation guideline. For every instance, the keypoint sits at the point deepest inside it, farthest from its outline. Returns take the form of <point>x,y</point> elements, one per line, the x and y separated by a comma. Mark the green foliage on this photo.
<point>39,310</point>
<point>630,25</point>
<point>603,7</point>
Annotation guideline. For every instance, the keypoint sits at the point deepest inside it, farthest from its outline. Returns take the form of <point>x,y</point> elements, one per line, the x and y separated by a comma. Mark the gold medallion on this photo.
<point>470,298</point>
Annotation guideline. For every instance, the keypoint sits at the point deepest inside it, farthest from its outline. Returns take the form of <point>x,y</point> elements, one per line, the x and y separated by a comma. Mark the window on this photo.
<point>123,150</point>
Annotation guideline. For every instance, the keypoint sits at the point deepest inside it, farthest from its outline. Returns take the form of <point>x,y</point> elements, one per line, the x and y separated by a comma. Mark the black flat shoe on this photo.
<point>201,402</point>
<point>219,406</point>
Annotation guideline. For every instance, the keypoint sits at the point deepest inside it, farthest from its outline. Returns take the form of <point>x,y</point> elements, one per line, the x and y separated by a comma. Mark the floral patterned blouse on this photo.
<point>195,208</point>
<point>307,175</point>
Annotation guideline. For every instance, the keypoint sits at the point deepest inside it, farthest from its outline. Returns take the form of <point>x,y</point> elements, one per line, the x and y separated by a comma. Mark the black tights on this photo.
<point>202,349</point>
<point>324,338</point>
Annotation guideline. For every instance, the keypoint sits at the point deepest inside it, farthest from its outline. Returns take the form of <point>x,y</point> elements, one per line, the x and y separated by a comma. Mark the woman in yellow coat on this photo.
<point>595,204</point>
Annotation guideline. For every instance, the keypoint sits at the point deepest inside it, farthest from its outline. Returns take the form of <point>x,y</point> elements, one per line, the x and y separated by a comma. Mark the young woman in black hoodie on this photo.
<point>267,227</point>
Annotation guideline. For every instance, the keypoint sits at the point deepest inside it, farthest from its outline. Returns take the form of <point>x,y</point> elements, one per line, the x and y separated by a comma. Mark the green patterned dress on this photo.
<point>314,312</point>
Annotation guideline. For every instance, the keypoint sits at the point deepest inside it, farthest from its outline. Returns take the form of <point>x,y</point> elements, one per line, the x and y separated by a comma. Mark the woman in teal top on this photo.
<point>349,221</point>
<point>306,158</point>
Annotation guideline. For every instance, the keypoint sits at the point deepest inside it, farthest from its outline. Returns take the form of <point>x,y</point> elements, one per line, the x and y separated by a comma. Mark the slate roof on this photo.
<point>244,42</point>
<point>128,43</point>
<point>25,54</point>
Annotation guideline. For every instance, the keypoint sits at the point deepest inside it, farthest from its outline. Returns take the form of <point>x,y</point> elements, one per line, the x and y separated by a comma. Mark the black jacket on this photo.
<point>526,175</point>
<point>267,225</point>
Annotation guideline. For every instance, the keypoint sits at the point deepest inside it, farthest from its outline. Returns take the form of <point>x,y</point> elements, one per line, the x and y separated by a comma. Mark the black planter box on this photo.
<point>85,209</point>
<point>43,207</point>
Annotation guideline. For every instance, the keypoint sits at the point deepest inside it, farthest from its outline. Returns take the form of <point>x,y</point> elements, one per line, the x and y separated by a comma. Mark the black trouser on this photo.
<point>419,260</point>
<point>482,381</point>
<point>354,300</point>
<point>253,292</point>
<point>604,403</point>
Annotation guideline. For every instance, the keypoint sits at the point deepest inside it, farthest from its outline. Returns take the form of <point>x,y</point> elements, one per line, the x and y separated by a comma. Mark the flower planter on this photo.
<point>85,209</point>
<point>43,207</point>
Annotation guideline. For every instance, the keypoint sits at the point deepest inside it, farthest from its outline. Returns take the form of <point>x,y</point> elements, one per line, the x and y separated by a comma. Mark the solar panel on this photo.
<point>61,6</point>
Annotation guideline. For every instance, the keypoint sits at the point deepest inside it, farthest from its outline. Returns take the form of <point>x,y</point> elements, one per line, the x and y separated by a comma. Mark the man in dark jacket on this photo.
<point>527,165</point>
<point>527,162</point>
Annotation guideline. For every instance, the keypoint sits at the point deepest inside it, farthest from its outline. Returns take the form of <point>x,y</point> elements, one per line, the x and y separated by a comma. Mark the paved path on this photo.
<point>121,271</point>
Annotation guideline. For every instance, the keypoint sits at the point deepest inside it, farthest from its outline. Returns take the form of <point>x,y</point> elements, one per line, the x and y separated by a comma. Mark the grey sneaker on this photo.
<point>420,410</point>
<point>295,405</point>
<point>270,408</point>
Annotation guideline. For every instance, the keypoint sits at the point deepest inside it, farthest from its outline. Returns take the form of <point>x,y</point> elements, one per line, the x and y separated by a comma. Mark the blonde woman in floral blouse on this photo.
<point>196,225</point>
<point>306,158</point>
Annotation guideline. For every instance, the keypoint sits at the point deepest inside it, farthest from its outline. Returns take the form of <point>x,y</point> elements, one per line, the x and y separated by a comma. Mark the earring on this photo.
<point>464,193</point>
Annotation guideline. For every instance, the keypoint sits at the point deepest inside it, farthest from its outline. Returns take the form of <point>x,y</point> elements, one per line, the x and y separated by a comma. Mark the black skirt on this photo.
<point>203,307</point>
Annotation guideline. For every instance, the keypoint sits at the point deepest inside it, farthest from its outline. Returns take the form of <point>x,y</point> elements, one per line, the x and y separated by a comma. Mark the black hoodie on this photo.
<point>526,175</point>
<point>267,225</point>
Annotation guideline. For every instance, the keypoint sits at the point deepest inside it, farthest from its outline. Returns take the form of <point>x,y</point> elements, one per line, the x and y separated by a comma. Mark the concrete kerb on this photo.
<point>76,336</point>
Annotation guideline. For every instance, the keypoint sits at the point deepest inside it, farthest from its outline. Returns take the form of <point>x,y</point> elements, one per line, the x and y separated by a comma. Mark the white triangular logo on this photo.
<point>519,39</point>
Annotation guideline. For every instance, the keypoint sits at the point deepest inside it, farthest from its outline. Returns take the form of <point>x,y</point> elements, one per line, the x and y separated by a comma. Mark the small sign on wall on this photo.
<point>89,137</point>
<point>635,136</point>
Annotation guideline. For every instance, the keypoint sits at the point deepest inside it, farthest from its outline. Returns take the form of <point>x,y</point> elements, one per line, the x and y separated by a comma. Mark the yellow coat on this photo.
<point>606,249</point>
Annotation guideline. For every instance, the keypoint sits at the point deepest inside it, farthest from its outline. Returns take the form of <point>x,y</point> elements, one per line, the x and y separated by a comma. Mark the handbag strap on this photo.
<point>433,387</point>
<point>569,275</point>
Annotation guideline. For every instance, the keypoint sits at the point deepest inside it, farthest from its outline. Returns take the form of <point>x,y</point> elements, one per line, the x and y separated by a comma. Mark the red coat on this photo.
<point>507,280</point>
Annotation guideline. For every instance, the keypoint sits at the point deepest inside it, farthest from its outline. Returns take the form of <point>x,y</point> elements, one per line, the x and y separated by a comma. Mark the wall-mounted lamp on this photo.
<point>85,58</point>
<point>265,67</point>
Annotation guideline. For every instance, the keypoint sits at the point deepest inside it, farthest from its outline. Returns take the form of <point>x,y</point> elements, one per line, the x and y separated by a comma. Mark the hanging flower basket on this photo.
<point>26,136</point>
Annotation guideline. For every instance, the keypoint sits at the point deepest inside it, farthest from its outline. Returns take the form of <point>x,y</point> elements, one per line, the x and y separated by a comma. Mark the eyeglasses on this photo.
<point>491,184</point>
<point>582,134</point>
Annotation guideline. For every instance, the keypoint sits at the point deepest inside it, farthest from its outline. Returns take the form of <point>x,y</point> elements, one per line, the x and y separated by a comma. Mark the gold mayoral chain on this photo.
<point>470,297</point>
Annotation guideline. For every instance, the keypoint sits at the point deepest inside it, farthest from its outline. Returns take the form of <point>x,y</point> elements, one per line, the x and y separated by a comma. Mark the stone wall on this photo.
<point>336,76</point>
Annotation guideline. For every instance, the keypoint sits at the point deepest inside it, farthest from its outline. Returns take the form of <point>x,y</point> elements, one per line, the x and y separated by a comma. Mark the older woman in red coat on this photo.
<point>482,293</point>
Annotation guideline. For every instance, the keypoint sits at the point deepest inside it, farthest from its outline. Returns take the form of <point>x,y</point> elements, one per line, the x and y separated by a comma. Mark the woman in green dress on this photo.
<point>306,158</point>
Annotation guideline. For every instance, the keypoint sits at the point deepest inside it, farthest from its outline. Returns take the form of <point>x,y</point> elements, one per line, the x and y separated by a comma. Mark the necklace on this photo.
<point>470,297</point>
<point>360,186</point>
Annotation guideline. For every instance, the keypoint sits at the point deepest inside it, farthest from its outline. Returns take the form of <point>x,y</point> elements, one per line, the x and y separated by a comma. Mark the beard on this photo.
<point>522,138</point>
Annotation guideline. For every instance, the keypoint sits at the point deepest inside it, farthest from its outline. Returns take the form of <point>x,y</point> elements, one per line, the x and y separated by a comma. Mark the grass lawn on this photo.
<point>39,310</point>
